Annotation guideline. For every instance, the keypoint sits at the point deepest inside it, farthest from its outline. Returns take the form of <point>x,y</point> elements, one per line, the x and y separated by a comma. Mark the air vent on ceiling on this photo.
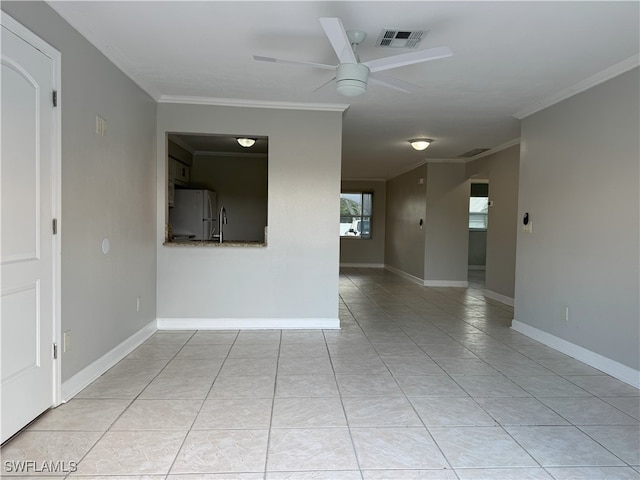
<point>474,152</point>
<point>400,38</point>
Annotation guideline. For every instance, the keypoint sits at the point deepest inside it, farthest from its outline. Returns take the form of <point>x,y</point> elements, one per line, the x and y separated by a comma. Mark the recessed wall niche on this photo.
<point>238,178</point>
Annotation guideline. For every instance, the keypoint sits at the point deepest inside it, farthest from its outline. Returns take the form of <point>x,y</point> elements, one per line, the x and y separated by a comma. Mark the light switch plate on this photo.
<point>66,341</point>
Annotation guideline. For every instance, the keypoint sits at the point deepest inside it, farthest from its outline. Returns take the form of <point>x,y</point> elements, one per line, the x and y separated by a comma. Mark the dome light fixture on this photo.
<point>246,142</point>
<point>420,143</point>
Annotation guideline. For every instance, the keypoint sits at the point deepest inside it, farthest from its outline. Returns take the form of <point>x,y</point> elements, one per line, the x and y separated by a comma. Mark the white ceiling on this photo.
<point>509,58</point>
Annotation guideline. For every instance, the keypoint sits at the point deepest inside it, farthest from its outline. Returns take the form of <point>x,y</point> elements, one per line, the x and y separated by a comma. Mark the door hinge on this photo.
<point>54,226</point>
<point>55,351</point>
<point>54,97</point>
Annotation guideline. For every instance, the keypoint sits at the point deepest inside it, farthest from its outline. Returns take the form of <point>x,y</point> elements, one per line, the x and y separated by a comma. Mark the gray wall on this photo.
<point>501,170</point>
<point>447,223</point>
<point>405,206</point>
<point>370,251</point>
<point>477,249</point>
<point>579,175</point>
<point>437,251</point>
<point>296,275</point>
<point>108,190</point>
<point>242,189</point>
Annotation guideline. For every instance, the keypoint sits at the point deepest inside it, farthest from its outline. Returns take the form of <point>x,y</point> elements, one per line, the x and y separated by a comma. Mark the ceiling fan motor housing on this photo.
<point>351,79</point>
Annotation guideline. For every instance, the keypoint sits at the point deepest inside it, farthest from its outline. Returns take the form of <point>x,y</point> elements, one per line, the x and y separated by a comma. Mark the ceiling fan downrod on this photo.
<point>352,78</point>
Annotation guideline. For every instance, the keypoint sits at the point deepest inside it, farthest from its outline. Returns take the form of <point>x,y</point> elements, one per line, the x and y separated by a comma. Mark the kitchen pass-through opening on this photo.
<point>217,189</point>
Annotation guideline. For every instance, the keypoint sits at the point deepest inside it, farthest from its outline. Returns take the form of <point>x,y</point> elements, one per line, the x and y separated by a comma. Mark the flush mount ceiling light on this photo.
<point>420,143</point>
<point>246,142</point>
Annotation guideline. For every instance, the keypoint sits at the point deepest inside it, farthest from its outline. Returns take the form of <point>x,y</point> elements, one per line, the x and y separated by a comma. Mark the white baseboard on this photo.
<point>446,283</point>
<point>499,297</point>
<point>362,265</point>
<point>427,283</point>
<point>248,323</point>
<point>84,377</point>
<point>611,367</point>
<point>403,274</point>
<point>476,267</point>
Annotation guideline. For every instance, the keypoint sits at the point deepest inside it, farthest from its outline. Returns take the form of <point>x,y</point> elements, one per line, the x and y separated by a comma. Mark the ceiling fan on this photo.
<point>352,76</point>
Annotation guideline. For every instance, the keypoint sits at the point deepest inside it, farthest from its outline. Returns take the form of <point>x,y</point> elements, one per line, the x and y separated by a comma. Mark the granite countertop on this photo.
<point>214,243</point>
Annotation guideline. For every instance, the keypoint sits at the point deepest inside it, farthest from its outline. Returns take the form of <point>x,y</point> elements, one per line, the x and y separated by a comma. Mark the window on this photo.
<point>355,214</point>
<point>479,206</point>
<point>478,213</point>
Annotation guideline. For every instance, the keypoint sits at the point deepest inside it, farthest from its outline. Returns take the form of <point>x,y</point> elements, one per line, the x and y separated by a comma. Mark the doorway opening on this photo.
<point>478,226</point>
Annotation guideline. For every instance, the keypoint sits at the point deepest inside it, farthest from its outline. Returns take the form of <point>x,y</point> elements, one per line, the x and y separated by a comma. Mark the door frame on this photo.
<point>56,188</point>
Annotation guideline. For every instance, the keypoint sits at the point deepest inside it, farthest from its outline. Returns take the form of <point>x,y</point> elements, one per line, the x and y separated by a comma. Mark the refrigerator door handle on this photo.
<point>210,219</point>
<point>212,226</point>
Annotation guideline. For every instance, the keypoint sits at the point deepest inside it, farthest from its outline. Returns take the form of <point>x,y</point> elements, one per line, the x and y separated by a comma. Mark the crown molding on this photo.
<point>592,81</point>
<point>209,153</point>
<point>239,102</point>
<point>361,179</point>
<point>445,160</point>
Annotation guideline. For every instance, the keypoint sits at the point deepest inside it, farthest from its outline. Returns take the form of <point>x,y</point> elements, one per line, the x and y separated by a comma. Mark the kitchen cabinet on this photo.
<point>179,173</point>
<point>171,164</point>
<point>171,193</point>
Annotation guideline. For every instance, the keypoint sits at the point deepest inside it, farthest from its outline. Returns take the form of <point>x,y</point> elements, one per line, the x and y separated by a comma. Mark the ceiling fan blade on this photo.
<point>293,62</point>
<point>408,58</point>
<point>325,84</point>
<point>394,83</point>
<point>337,35</point>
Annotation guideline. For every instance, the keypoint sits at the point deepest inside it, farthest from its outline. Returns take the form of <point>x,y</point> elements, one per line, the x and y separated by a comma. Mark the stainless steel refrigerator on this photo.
<point>193,214</point>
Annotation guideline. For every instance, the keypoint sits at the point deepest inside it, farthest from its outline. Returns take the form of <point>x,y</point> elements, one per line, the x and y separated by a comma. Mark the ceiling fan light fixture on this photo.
<point>246,142</point>
<point>351,88</point>
<point>351,79</point>
<point>420,143</point>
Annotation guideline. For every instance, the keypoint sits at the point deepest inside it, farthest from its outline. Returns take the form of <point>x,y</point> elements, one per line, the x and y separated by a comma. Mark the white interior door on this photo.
<point>27,245</point>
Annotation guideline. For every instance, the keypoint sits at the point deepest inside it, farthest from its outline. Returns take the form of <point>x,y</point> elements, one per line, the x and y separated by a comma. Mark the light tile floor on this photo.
<point>420,383</point>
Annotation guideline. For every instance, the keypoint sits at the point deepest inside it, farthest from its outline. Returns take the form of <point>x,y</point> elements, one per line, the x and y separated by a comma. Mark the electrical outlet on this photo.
<point>138,304</point>
<point>66,341</point>
<point>565,314</point>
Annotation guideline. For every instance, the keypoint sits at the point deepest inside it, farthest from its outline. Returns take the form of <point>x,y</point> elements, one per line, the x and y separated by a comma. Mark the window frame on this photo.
<point>484,215</point>
<point>362,217</point>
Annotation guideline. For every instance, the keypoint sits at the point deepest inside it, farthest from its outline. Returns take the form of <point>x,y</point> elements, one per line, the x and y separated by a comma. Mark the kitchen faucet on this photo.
<point>222,220</point>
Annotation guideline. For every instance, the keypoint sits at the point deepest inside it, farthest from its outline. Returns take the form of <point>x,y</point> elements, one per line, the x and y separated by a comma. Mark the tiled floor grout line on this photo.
<point>474,400</point>
<point>599,443</point>
<point>273,404</point>
<point>406,398</point>
<point>132,400</point>
<point>346,419</point>
<point>344,411</point>
<point>195,417</point>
